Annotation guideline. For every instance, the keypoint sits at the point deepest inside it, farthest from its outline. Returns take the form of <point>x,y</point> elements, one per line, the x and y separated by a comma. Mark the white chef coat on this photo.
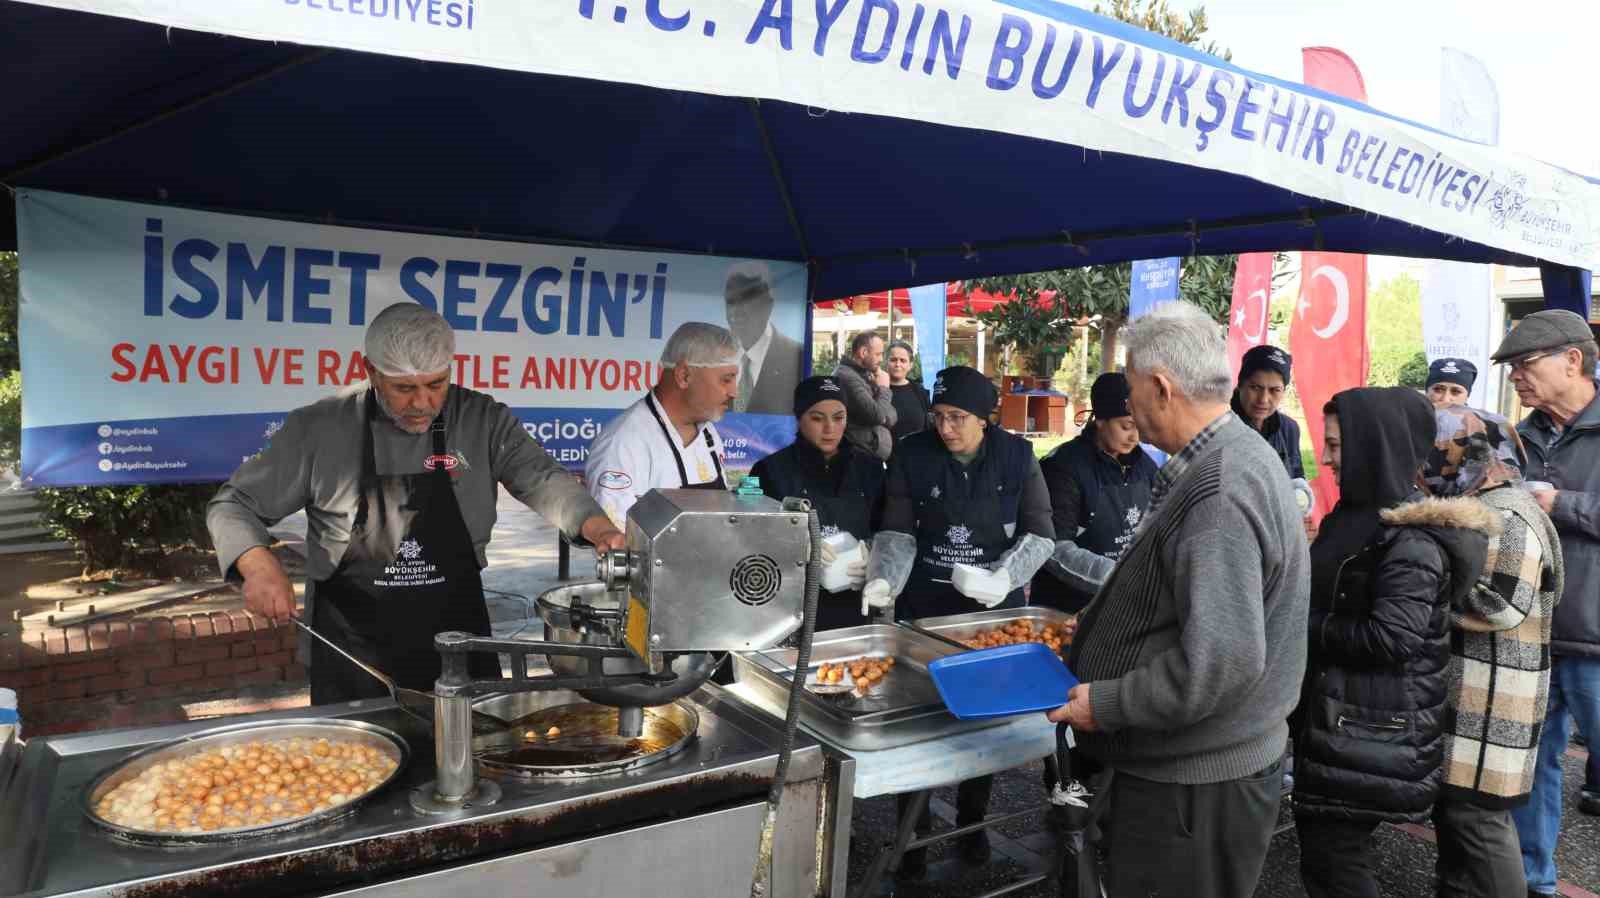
<point>640,451</point>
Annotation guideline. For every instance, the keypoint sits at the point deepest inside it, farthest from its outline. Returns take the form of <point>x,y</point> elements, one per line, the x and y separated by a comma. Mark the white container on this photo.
<point>836,576</point>
<point>978,583</point>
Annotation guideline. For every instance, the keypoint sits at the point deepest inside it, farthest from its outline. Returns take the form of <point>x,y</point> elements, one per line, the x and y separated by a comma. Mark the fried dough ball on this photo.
<point>254,784</point>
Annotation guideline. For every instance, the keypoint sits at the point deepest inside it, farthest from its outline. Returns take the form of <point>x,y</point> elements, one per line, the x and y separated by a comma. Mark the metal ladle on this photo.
<point>415,702</point>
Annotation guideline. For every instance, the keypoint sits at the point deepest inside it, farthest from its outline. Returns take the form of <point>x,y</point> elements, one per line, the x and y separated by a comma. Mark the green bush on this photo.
<point>1414,373</point>
<point>11,420</point>
<point>128,527</point>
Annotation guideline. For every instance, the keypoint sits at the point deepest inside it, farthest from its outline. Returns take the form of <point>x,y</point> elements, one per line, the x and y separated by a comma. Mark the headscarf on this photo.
<point>1386,434</point>
<point>1474,451</point>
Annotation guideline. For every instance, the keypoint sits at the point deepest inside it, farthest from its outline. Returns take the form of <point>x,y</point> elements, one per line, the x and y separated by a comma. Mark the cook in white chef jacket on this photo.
<point>668,439</point>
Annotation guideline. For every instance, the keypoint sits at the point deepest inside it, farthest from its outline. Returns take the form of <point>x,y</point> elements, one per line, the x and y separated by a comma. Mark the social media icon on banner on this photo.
<point>105,448</point>
<point>105,466</point>
<point>104,431</point>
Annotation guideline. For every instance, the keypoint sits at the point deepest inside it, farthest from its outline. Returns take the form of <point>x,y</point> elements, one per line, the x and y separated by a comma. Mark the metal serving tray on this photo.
<point>956,629</point>
<point>236,734</point>
<point>903,708</point>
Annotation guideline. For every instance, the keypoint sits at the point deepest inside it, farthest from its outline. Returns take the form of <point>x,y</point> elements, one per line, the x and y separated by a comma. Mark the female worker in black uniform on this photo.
<point>968,493</point>
<point>843,483</point>
<point>1100,485</point>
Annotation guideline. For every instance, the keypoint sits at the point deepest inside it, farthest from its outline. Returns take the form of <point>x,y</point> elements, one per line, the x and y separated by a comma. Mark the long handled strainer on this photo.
<point>415,702</point>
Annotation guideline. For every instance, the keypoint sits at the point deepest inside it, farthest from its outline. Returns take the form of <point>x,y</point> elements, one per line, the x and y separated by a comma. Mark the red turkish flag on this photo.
<point>1328,334</point>
<point>1252,298</point>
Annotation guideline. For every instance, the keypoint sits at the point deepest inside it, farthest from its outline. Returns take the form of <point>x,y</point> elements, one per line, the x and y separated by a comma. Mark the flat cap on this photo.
<point>1548,329</point>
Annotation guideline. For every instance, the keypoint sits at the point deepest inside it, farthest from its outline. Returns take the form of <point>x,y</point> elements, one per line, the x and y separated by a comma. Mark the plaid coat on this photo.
<point>1500,657</point>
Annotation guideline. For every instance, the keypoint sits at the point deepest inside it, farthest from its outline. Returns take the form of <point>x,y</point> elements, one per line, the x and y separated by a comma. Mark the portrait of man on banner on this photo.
<point>769,360</point>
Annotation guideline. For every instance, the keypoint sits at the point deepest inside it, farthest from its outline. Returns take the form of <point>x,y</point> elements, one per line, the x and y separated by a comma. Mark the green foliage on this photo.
<point>10,293</point>
<point>1156,16</point>
<point>1394,329</point>
<point>11,420</point>
<point>823,359</point>
<point>128,527</point>
<point>1414,374</point>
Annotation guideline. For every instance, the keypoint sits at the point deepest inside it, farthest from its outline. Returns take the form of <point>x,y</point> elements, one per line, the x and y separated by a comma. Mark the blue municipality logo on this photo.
<point>1507,201</point>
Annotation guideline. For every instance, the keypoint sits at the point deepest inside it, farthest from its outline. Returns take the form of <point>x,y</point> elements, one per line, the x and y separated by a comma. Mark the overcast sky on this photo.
<point>1541,54</point>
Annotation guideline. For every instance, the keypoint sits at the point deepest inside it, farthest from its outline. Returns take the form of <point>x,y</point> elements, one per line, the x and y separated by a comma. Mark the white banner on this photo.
<point>1028,67</point>
<point>1458,297</point>
<point>165,345</point>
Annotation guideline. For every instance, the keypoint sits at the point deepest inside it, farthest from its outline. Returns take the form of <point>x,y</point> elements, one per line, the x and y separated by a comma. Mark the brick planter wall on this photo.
<point>144,672</point>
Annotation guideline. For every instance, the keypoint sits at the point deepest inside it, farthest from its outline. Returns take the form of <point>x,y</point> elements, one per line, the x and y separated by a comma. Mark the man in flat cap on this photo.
<point>1552,359</point>
<point>769,362</point>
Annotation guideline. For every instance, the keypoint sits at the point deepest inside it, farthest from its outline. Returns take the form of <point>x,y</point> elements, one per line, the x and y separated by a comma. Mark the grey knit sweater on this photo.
<point>1195,646</point>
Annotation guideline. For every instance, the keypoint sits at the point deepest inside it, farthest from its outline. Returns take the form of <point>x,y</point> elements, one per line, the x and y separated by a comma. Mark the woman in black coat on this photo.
<point>844,484</point>
<point>1369,733</point>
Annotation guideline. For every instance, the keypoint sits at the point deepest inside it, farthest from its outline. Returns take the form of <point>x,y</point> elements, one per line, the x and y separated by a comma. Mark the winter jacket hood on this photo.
<point>1385,434</point>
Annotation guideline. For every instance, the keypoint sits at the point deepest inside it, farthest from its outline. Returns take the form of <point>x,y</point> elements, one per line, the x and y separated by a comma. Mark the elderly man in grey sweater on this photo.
<point>1191,655</point>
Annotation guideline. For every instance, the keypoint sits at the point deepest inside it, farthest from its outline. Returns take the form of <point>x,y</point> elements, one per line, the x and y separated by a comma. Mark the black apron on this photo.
<point>403,579</point>
<point>966,526</point>
<point>850,512</point>
<point>671,434</point>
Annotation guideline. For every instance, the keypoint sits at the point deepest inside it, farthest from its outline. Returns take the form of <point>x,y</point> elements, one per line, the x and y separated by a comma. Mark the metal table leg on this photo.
<point>902,840</point>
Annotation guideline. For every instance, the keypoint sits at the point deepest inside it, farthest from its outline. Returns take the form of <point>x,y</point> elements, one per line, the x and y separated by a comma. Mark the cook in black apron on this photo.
<point>1112,496</point>
<point>966,514</point>
<point>670,433</point>
<point>409,572</point>
<point>846,489</point>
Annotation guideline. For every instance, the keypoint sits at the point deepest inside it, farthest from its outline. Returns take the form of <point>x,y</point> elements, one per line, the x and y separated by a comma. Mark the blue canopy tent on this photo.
<point>119,108</point>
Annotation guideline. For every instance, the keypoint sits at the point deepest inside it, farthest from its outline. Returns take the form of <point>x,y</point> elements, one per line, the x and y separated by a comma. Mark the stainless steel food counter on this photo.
<point>625,833</point>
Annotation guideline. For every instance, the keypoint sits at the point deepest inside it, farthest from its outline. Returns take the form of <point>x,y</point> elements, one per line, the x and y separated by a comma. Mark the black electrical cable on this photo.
<point>797,685</point>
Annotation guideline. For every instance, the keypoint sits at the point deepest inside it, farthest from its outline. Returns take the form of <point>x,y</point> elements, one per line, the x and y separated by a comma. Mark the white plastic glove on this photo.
<point>857,568</point>
<point>987,588</point>
<point>875,595</point>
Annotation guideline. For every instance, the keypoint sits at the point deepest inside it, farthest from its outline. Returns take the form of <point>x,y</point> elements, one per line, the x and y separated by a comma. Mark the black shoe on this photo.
<point>1589,802</point>
<point>1533,894</point>
<point>913,865</point>
<point>974,848</point>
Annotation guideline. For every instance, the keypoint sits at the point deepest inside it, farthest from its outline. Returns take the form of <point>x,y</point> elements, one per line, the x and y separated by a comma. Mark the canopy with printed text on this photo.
<point>993,136</point>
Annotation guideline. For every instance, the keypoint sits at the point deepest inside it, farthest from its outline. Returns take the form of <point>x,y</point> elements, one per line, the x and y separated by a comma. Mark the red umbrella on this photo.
<point>956,301</point>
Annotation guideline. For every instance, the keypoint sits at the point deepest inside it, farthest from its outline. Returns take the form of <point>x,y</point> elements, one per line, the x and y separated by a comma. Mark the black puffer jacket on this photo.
<point>1369,733</point>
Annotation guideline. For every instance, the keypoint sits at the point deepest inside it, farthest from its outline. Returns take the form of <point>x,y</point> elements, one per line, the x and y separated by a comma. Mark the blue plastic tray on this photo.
<point>1011,679</point>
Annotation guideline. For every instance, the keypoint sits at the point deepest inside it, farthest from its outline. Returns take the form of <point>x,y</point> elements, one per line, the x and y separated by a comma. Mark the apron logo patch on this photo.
<point>410,550</point>
<point>934,493</point>
<point>958,535</point>
<point>449,462</point>
<point>1134,514</point>
<point>614,480</point>
<point>829,530</point>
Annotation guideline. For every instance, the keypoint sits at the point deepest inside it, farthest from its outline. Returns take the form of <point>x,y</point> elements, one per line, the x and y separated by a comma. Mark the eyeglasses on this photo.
<point>1522,364</point>
<point>954,419</point>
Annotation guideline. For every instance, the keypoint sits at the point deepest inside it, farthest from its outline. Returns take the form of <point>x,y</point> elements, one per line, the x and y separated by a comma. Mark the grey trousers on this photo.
<point>1479,853</point>
<point>1170,840</point>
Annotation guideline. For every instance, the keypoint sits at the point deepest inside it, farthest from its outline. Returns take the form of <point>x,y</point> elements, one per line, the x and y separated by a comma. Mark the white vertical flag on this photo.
<point>1457,297</point>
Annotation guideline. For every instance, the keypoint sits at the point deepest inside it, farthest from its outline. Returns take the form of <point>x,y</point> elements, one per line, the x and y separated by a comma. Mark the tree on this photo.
<point>1102,290</point>
<point>10,293</point>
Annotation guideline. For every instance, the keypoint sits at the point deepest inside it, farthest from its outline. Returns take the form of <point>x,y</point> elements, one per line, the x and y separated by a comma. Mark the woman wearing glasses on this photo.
<point>964,493</point>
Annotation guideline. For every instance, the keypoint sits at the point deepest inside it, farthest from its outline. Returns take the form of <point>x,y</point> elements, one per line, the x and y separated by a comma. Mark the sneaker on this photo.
<point>974,848</point>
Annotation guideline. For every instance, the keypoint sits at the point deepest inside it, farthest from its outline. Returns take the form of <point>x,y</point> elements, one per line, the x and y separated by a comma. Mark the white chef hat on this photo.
<point>406,339</point>
<point>700,345</point>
